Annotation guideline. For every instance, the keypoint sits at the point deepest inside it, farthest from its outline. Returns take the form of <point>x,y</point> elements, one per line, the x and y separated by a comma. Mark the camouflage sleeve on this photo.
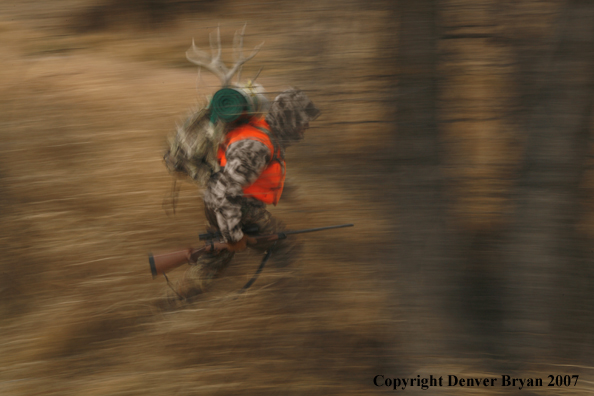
<point>245,161</point>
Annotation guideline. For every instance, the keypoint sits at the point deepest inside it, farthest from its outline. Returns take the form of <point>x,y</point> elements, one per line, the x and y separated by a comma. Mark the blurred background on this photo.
<point>455,134</point>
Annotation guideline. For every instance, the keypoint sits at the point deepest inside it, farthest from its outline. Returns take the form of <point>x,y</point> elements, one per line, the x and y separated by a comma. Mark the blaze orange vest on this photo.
<point>269,185</point>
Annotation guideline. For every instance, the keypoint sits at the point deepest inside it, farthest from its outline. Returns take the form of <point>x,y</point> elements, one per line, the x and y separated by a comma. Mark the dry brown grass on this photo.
<point>82,128</point>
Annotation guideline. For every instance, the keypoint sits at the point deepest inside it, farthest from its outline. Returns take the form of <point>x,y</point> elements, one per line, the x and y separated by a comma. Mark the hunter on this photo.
<point>252,175</point>
<point>234,150</point>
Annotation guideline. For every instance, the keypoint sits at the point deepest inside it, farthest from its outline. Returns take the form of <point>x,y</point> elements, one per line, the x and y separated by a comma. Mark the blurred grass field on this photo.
<point>89,92</point>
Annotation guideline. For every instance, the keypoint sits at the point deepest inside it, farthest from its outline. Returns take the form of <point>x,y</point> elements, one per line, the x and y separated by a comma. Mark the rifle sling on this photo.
<point>264,260</point>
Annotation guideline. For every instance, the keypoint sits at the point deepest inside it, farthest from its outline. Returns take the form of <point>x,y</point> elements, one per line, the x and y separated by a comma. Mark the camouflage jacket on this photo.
<point>289,114</point>
<point>224,191</point>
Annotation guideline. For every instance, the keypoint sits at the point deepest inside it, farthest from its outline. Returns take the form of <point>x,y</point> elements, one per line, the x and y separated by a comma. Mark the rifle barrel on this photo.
<point>249,230</point>
<point>317,229</point>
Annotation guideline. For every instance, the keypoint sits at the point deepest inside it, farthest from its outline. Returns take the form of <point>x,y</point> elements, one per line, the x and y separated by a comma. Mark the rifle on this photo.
<point>163,263</point>
<point>249,230</point>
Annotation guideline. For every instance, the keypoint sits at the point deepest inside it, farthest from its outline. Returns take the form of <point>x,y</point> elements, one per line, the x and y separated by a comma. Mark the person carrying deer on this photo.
<point>234,148</point>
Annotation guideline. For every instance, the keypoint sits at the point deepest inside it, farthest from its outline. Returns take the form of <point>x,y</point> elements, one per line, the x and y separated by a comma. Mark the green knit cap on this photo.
<point>228,104</point>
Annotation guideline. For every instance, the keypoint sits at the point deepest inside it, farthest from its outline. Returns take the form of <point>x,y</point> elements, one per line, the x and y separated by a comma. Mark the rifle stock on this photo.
<point>163,263</point>
<point>166,262</point>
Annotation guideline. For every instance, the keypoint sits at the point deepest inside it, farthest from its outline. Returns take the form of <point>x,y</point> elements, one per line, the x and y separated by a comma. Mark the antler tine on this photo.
<point>213,62</point>
<point>238,43</point>
<point>257,75</point>
<point>243,60</point>
<point>216,57</point>
<point>238,49</point>
<point>202,59</point>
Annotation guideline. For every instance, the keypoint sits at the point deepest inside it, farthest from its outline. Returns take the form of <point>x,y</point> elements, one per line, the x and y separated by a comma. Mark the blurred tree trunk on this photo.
<point>418,188</point>
<point>545,257</point>
<point>476,95</point>
<point>542,303</point>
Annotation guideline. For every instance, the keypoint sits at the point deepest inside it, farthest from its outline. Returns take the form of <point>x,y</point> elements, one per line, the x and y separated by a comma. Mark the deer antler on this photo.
<point>214,64</point>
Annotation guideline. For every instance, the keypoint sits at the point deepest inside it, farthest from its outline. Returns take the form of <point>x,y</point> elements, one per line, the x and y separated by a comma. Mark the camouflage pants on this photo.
<point>197,278</point>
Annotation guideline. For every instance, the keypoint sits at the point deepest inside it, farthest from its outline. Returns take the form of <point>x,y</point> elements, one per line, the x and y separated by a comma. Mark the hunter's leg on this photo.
<point>197,278</point>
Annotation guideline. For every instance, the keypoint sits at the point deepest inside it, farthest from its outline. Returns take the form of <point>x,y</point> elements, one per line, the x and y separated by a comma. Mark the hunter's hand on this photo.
<point>241,245</point>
